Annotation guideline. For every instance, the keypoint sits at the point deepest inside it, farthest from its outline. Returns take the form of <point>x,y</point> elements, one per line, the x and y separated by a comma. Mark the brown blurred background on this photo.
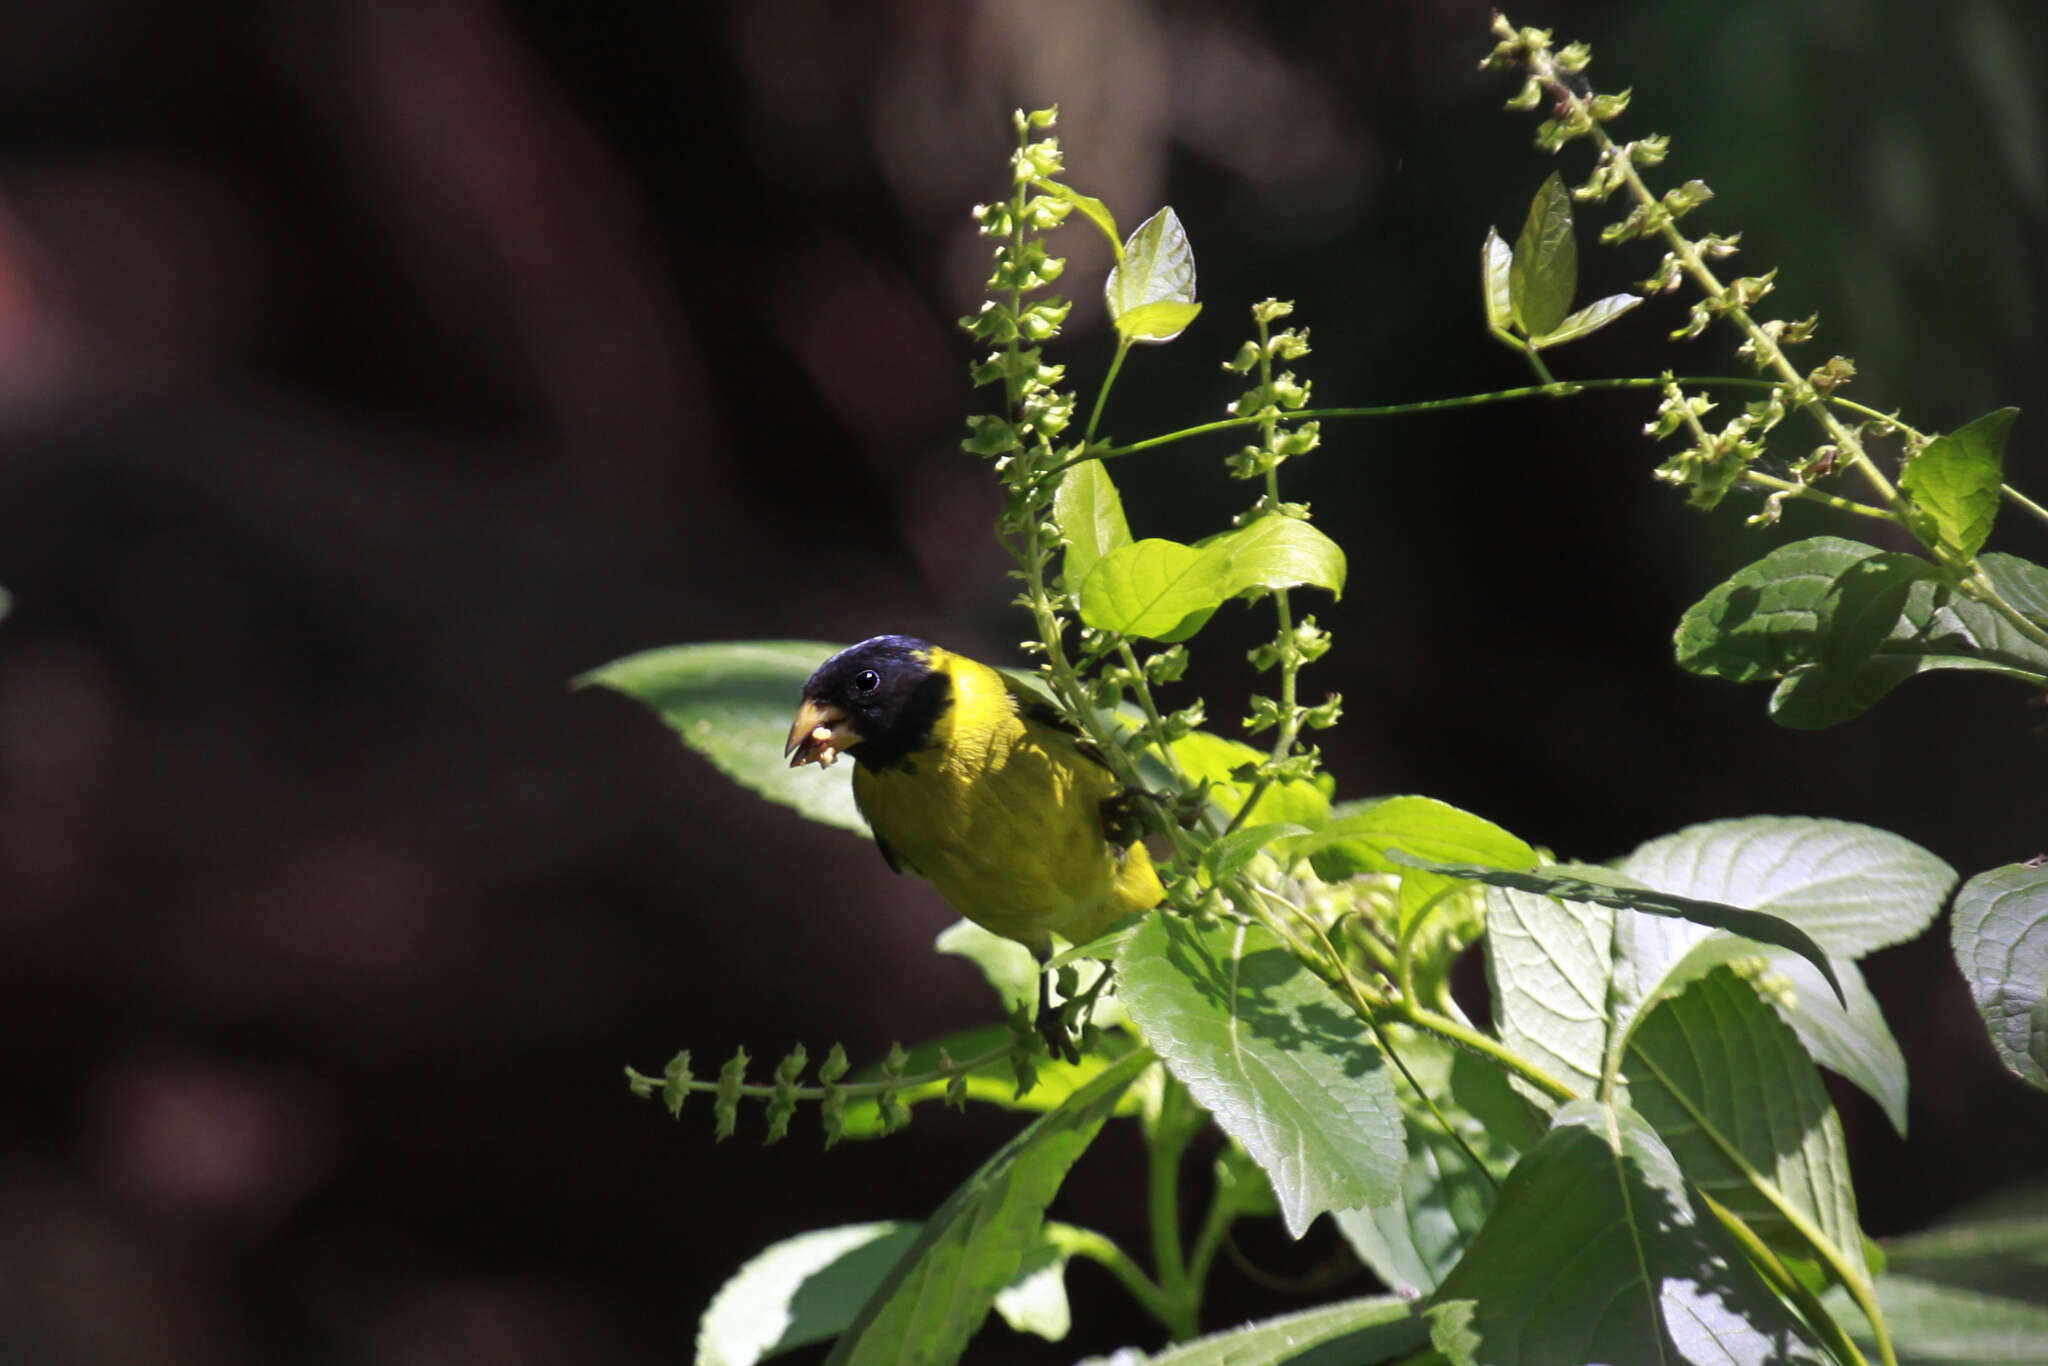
<point>368,368</point>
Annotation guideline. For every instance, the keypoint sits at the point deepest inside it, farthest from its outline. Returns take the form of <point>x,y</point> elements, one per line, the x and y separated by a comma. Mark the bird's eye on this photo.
<point>867,680</point>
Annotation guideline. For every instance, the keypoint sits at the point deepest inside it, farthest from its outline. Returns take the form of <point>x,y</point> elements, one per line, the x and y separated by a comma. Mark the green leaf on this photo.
<point>1008,965</point>
<point>1730,1089</point>
<point>1160,321</point>
<point>994,1083</point>
<point>1495,288</point>
<point>1361,838</point>
<point>1209,758</point>
<point>1348,1333</point>
<point>1157,267</point>
<point>1594,1253</point>
<point>1035,1300</point>
<point>801,1290</point>
<point>1545,272</point>
<point>1941,1325</point>
<point>1997,1245</point>
<point>1412,1241</point>
<point>1164,590</point>
<point>1956,480</point>
<point>732,703</point>
<point>942,1287</point>
<point>1603,887</point>
<point>1090,513</point>
<point>1853,888</point>
<point>1232,851</point>
<point>1843,623</point>
<point>1551,965</point>
<point>1097,212</point>
<point>1271,1052</point>
<point>1587,320</point>
<point>2000,935</point>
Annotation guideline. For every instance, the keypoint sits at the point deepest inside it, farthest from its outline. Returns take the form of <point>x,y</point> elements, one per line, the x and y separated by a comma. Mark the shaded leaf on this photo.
<point>1594,1254</point>
<point>1096,211</point>
<point>1942,1325</point>
<point>1158,266</point>
<point>2000,936</point>
<point>1545,272</point>
<point>1842,624</point>
<point>1412,1241</point>
<point>1956,481</point>
<point>1732,1092</point>
<point>801,1290</point>
<point>942,1287</point>
<point>1348,1333</point>
<point>1997,1245</point>
<point>732,702</point>
<point>1270,1051</point>
<point>1551,966</point>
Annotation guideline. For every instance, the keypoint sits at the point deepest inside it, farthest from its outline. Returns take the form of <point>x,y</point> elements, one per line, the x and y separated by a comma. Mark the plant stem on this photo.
<point>1786,1284</point>
<point>1123,348</point>
<point>654,1085</point>
<point>1422,1017</point>
<point>2029,504</point>
<point>1097,1248</point>
<point>1167,1143</point>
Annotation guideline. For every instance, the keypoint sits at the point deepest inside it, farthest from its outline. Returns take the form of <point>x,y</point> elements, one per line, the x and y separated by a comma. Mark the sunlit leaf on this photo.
<point>1347,1333</point>
<point>802,1290</point>
<point>1271,1052</point>
<point>1495,287</point>
<point>1545,271</point>
<point>944,1284</point>
<point>1595,1254</point>
<point>1164,590</point>
<point>1158,266</point>
<point>1957,479</point>
<point>1090,513</point>
<point>732,702</point>
<point>2000,935</point>
<point>1587,320</point>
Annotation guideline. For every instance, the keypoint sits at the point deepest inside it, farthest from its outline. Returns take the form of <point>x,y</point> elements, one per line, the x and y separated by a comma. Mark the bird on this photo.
<point>983,789</point>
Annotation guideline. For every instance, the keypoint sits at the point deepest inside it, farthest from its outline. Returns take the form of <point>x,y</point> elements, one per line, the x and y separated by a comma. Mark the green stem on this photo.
<point>1808,491</point>
<point>1123,348</point>
<point>1536,363</point>
<point>1422,1017</point>
<point>1086,1242</point>
<point>1209,1241</point>
<point>1168,1143</point>
<point>2029,504</point>
<point>645,1085</point>
<point>1787,1284</point>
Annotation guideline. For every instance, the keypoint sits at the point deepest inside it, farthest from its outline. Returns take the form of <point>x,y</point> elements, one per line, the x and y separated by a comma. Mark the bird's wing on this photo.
<point>1037,711</point>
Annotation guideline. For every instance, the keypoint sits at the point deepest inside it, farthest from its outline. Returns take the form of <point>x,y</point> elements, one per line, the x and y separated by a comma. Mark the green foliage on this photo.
<point>1636,1159</point>
<point>2000,934</point>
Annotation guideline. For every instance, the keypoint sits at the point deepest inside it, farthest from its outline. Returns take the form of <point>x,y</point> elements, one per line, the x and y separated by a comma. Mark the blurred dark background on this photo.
<point>368,368</point>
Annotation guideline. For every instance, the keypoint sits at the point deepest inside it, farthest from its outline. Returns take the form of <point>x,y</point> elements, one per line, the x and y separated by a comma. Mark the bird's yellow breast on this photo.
<point>1002,813</point>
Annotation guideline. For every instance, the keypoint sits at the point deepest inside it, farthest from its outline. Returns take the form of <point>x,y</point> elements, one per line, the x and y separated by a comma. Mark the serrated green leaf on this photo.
<point>1158,266</point>
<point>1956,480</point>
<point>1842,624</point>
<point>1090,513</point>
<point>801,1290</point>
<point>942,1287</point>
<point>1272,1053</point>
<point>1164,590</point>
<point>1997,1245</point>
<point>1730,1089</point>
<point>1594,1254</point>
<point>1350,1332</point>
<point>1412,1241</point>
<point>732,702</point>
<point>1604,887</point>
<point>2000,936</point>
<point>1854,888</point>
<point>1545,271</point>
<point>1551,966</point>
<point>1496,290</point>
<point>1942,1325</point>
<point>1359,838</point>
<point>1587,320</point>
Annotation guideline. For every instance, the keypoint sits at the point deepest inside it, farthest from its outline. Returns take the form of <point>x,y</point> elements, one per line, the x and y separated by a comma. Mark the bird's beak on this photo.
<point>818,734</point>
